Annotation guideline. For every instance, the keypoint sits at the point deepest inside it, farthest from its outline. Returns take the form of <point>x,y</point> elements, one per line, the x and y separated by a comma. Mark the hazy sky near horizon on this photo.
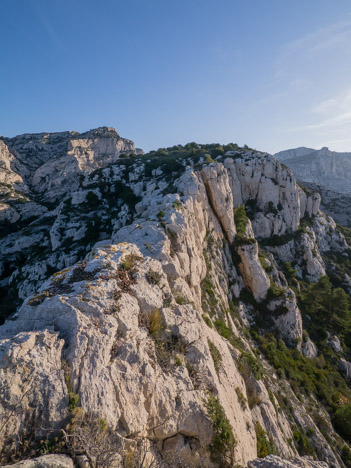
<point>271,74</point>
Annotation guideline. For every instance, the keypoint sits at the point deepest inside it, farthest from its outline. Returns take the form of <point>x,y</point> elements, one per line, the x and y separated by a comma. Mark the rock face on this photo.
<point>46,461</point>
<point>272,461</point>
<point>50,164</point>
<point>326,171</point>
<point>136,296</point>
<point>323,167</point>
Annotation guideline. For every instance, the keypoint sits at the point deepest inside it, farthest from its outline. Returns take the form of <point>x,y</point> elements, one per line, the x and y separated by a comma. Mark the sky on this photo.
<point>272,74</point>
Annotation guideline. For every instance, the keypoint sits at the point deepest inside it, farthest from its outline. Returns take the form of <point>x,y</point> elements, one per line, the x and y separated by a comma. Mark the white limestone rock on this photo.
<point>57,160</point>
<point>46,461</point>
<point>335,344</point>
<point>254,276</point>
<point>273,461</point>
<point>32,386</point>
<point>217,185</point>
<point>288,322</point>
<point>345,367</point>
<point>309,349</point>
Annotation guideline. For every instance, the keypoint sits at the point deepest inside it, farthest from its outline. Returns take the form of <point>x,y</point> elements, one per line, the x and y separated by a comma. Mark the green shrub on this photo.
<point>240,240</point>
<point>227,333</point>
<point>208,297</point>
<point>223,441</point>
<point>268,268</point>
<point>153,277</point>
<point>215,354</point>
<point>167,302</point>
<point>342,421</point>
<point>180,300</point>
<point>178,361</point>
<point>329,309</point>
<point>304,375</point>
<point>209,159</point>
<point>207,320</point>
<point>73,398</point>
<point>129,262</point>
<point>264,444</point>
<point>222,329</point>
<point>253,363</point>
<point>250,369</point>
<point>277,240</point>
<point>346,455</point>
<point>161,214</point>
<point>271,208</point>
<point>290,271</point>
<point>242,400</point>
<point>172,234</point>
<point>275,291</point>
<point>240,219</point>
<point>303,445</point>
<point>92,199</point>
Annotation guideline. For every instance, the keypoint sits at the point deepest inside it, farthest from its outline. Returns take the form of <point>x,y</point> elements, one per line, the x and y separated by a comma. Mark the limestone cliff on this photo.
<point>326,171</point>
<point>148,298</point>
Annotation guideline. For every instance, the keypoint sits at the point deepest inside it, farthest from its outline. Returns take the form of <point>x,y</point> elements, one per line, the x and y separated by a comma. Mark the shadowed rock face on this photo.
<point>135,289</point>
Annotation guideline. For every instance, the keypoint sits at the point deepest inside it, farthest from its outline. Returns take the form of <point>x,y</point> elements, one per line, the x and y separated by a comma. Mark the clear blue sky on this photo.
<point>272,74</point>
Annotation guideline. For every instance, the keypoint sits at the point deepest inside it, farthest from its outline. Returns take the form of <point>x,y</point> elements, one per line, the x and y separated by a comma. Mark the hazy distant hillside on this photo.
<point>293,153</point>
<point>327,171</point>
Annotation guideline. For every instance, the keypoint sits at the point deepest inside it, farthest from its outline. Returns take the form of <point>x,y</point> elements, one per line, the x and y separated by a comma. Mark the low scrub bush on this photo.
<point>155,322</point>
<point>153,277</point>
<point>264,444</point>
<point>216,355</point>
<point>242,400</point>
<point>303,445</point>
<point>129,262</point>
<point>240,219</point>
<point>223,441</point>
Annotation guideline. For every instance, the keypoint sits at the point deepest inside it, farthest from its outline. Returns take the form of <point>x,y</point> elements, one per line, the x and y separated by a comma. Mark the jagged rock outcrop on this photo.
<point>334,343</point>
<point>254,276</point>
<point>50,164</point>
<point>271,192</point>
<point>142,294</point>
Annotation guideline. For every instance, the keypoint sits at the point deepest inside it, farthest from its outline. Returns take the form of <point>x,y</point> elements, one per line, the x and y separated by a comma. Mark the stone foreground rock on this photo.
<point>272,461</point>
<point>46,461</point>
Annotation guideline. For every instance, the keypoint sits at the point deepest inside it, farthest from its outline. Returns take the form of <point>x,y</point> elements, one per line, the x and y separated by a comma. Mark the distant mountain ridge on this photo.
<point>327,171</point>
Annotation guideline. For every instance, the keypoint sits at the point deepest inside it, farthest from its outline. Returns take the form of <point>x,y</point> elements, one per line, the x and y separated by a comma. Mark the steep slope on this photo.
<point>164,308</point>
<point>323,167</point>
<point>336,204</point>
<point>327,171</point>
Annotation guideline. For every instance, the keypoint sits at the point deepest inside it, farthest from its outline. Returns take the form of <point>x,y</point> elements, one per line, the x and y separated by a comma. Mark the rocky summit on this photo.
<point>188,307</point>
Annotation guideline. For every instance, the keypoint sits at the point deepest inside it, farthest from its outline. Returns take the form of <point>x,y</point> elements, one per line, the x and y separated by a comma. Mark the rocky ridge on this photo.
<point>142,293</point>
<point>327,172</point>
